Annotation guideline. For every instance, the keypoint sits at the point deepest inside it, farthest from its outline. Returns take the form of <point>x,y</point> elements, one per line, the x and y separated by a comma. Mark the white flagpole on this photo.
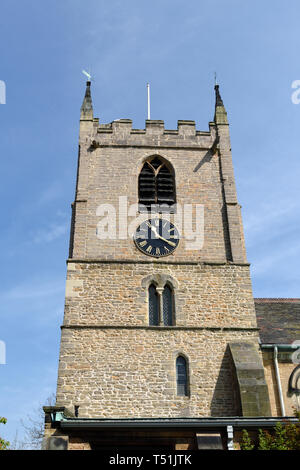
<point>148,90</point>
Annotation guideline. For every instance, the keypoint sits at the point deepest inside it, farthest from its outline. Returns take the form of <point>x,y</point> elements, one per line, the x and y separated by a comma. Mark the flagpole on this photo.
<point>148,93</point>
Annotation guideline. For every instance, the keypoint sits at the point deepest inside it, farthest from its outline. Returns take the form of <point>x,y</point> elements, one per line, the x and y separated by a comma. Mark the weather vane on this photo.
<point>89,76</point>
<point>215,78</point>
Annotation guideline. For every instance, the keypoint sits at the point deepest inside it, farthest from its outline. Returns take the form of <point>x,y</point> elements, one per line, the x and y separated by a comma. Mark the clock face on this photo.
<point>156,237</point>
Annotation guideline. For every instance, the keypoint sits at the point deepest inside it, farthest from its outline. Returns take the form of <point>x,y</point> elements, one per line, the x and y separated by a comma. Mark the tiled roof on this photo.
<point>278,319</point>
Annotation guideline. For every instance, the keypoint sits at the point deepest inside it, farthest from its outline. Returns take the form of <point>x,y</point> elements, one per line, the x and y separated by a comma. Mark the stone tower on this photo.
<point>168,333</point>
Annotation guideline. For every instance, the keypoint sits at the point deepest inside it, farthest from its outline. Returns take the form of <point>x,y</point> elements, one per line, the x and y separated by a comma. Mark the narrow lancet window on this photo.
<point>181,376</point>
<point>168,308</point>
<point>153,306</point>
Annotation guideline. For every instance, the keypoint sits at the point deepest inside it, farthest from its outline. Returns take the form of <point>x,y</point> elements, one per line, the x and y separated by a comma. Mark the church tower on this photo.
<point>159,333</point>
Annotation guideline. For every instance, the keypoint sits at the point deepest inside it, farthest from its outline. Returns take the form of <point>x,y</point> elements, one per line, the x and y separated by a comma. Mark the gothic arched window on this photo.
<point>153,306</point>
<point>181,376</point>
<point>156,184</point>
<point>168,306</point>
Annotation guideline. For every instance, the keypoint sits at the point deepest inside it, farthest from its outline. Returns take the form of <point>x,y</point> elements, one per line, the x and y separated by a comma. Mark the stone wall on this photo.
<point>130,372</point>
<point>113,364</point>
<point>117,294</point>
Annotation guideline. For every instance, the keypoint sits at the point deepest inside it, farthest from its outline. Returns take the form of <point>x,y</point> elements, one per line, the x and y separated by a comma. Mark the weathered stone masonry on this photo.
<point>130,372</point>
<point>113,364</point>
<point>116,294</point>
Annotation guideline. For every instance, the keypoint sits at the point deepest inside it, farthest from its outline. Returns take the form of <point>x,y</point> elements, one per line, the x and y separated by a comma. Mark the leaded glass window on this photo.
<point>153,306</point>
<point>181,376</point>
<point>167,306</point>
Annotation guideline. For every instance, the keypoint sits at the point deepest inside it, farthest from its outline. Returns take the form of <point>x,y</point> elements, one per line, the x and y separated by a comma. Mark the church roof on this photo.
<point>278,319</point>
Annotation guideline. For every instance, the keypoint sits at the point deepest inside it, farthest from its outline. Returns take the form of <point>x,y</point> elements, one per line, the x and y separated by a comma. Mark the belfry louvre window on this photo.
<point>153,306</point>
<point>181,376</point>
<point>156,184</point>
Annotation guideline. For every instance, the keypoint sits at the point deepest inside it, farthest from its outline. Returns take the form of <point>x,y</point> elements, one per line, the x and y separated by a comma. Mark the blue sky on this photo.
<point>176,46</point>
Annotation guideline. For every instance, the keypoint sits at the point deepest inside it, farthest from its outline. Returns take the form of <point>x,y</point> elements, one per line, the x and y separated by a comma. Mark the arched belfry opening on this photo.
<point>156,184</point>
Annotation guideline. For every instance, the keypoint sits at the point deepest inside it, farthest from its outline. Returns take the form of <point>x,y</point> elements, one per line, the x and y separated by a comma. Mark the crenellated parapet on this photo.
<point>121,132</point>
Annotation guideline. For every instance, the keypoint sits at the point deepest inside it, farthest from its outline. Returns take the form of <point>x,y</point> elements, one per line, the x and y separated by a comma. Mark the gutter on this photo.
<point>236,422</point>
<point>285,347</point>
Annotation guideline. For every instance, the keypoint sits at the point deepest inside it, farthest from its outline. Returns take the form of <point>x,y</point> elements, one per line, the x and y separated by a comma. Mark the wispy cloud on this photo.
<point>33,290</point>
<point>48,234</point>
<point>273,246</point>
<point>271,219</point>
<point>51,233</point>
<point>270,262</point>
<point>51,193</point>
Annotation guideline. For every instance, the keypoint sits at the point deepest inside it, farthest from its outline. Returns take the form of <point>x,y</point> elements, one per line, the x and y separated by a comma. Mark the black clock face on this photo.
<point>156,237</point>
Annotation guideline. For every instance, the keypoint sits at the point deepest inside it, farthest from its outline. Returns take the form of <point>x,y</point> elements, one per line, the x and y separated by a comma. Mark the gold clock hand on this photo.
<point>167,241</point>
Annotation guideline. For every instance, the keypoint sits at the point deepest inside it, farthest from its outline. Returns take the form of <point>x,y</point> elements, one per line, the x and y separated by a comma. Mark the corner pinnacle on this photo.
<point>86,110</point>
<point>220,111</point>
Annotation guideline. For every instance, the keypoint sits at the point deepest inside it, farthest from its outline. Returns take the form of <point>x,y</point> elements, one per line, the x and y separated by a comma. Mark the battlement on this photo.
<point>121,132</point>
<point>156,126</point>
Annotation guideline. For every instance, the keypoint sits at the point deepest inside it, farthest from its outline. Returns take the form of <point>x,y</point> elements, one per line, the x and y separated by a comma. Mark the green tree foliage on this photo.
<point>246,443</point>
<point>3,444</point>
<point>285,437</point>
